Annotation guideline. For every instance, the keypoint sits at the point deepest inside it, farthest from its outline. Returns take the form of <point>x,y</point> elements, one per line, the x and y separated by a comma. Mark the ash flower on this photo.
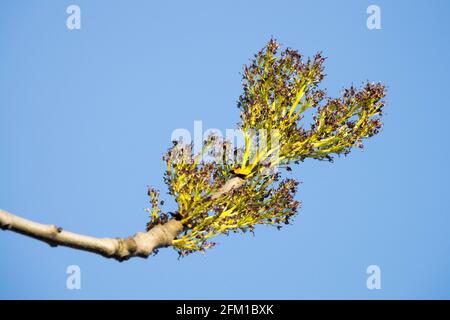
<point>278,87</point>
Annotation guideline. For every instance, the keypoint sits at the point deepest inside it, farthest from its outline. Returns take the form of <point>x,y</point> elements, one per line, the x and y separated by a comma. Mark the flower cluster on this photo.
<point>279,88</point>
<point>263,199</point>
<point>236,193</point>
<point>343,123</point>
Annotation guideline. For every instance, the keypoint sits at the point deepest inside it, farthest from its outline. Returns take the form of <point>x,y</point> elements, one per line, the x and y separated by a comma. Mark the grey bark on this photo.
<point>142,244</point>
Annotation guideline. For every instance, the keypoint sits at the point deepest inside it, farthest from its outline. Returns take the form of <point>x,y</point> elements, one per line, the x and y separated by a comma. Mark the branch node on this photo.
<point>54,230</point>
<point>5,226</point>
<point>52,244</point>
<point>5,220</point>
<point>131,244</point>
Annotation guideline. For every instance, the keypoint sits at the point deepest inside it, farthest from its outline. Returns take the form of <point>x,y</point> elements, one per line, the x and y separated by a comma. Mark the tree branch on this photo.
<point>230,185</point>
<point>142,244</point>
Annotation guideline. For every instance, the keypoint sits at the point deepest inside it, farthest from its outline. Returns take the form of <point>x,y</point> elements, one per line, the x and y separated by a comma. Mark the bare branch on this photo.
<point>142,244</point>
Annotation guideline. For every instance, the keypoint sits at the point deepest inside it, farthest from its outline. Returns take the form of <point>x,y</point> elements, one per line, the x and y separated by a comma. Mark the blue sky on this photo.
<point>85,116</point>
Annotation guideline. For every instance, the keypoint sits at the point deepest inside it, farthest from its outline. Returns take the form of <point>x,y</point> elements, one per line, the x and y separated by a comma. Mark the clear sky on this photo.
<point>85,116</point>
